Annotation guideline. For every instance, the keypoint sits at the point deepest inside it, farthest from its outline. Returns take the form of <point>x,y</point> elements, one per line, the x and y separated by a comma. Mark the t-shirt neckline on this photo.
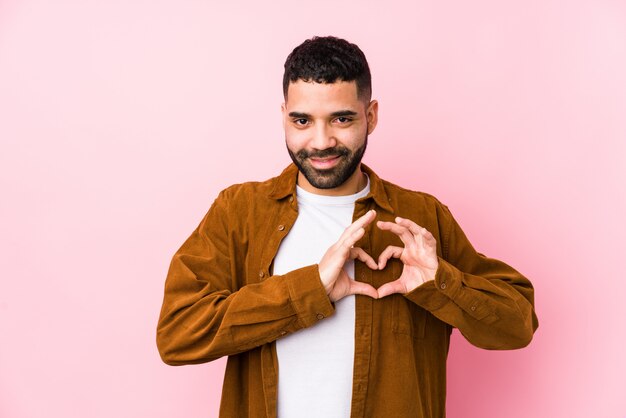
<point>309,197</point>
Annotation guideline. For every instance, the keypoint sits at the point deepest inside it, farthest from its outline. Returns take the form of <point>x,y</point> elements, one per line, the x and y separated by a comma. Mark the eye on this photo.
<point>300,122</point>
<point>343,119</point>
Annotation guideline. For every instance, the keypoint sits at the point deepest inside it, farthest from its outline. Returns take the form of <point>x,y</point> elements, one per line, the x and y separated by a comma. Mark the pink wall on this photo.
<point>121,120</point>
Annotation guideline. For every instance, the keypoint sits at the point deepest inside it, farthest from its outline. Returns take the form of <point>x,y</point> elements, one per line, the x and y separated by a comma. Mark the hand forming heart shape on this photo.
<point>419,258</point>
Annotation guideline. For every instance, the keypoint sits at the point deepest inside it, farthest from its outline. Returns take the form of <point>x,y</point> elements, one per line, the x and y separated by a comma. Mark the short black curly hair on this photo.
<point>326,59</point>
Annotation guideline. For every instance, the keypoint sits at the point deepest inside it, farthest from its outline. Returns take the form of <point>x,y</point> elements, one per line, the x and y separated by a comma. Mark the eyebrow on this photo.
<point>334,114</point>
<point>299,115</point>
<point>343,113</point>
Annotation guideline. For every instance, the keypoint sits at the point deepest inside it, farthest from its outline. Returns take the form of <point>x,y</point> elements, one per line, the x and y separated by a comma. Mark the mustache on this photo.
<point>328,152</point>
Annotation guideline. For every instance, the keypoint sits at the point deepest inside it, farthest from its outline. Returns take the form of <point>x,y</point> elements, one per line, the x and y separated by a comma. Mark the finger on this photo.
<point>419,232</point>
<point>360,288</point>
<point>360,254</point>
<point>412,226</point>
<point>390,288</point>
<point>417,229</point>
<point>390,251</point>
<point>401,231</point>
<point>430,240</point>
<point>362,222</point>
<point>346,243</point>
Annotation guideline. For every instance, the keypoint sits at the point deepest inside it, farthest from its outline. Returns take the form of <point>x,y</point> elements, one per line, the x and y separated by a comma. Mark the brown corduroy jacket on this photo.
<point>221,299</point>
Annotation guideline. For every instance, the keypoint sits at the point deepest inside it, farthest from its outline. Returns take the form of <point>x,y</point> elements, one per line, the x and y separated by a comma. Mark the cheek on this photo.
<point>352,136</point>
<point>295,138</point>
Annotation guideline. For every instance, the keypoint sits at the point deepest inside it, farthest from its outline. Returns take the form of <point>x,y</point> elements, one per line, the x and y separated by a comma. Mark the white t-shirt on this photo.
<point>315,365</point>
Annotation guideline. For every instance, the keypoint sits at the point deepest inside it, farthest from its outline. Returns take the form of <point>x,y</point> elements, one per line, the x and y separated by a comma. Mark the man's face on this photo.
<point>326,128</point>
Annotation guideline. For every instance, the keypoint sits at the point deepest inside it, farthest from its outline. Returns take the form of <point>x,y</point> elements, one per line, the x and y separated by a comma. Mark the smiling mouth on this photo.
<point>324,163</point>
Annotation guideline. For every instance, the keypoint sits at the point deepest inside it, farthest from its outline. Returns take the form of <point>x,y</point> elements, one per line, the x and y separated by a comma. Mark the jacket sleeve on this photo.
<point>205,315</point>
<point>488,301</point>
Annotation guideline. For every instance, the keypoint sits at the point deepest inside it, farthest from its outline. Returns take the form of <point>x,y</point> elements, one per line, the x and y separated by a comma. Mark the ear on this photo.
<point>372,116</point>
<point>283,111</point>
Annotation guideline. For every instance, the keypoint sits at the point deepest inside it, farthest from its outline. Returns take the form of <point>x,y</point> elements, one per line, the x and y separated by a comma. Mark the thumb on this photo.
<point>390,288</point>
<point>360,288</point>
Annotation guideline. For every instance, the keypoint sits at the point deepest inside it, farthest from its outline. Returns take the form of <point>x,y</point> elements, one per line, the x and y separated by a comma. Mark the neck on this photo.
<point>355,183</point>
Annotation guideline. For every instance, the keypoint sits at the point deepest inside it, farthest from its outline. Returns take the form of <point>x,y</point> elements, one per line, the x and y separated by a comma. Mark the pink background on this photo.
<point>121,120</point>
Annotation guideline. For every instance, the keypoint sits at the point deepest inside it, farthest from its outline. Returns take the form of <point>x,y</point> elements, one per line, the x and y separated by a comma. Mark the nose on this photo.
<point>323,137</point>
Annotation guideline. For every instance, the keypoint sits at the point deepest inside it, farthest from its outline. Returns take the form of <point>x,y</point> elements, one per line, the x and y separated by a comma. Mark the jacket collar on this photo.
<point>285,185</point>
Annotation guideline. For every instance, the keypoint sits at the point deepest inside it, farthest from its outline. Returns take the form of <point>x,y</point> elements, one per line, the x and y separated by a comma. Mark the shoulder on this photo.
<point>401,197</point>
<point>238,204</point>
<point>247,194</point>
<point>246,190</point>
<point>278,185</point>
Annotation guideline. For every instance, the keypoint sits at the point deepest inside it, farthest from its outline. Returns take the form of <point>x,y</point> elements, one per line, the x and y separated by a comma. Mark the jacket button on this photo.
<point>443,285</point>
<point>281,227</point>
<point>261,274</point>
<point>473,308</point>
<point>291,198</point>
<point>320,316</point>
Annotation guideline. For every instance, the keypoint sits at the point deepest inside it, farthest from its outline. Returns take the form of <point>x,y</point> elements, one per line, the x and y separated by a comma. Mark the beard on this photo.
<point>332,177</point>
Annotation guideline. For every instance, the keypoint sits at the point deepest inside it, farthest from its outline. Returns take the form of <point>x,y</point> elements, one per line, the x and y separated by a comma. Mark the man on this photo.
<point>332,292</point>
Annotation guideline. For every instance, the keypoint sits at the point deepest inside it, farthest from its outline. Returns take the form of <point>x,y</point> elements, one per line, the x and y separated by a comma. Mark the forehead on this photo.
<point>311,97</point>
